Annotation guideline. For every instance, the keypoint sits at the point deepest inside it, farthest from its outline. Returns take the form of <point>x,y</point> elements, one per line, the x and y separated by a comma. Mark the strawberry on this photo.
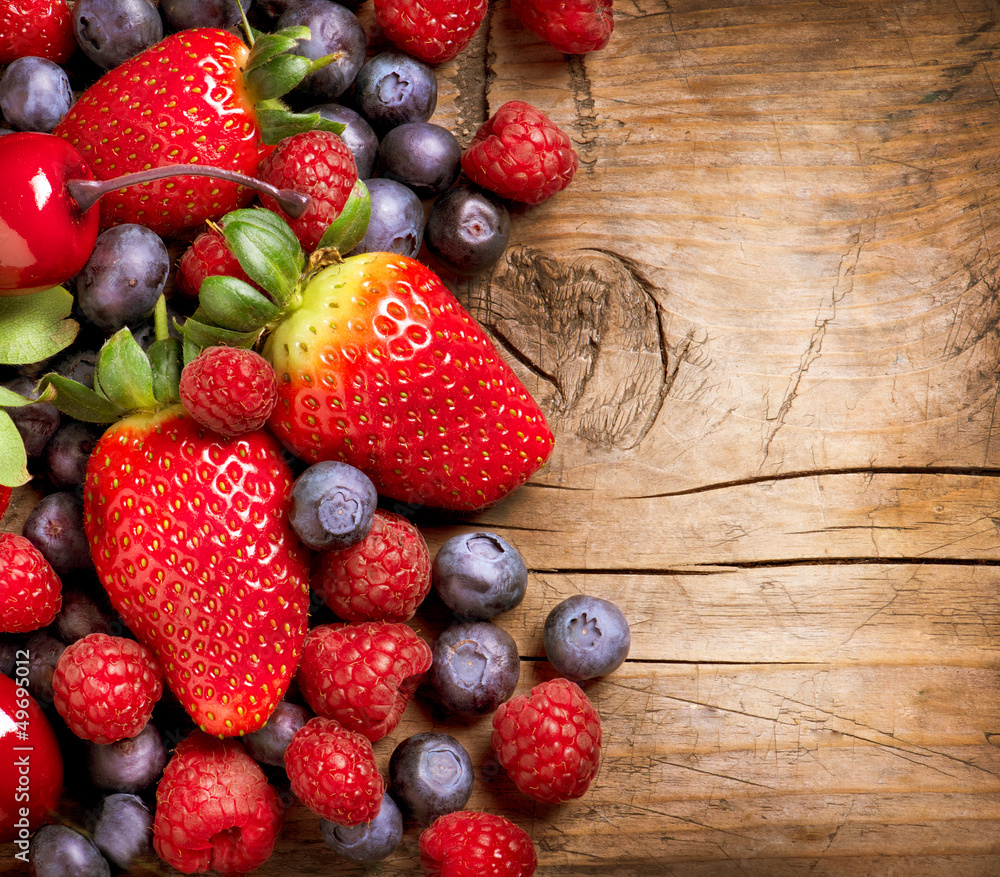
<point>378,366</point>
<point>36,27</point>
<point>198,97</point>
<point>190,537</point>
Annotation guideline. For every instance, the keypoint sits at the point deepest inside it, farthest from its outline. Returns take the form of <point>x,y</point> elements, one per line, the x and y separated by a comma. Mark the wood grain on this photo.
<point>764,324</point>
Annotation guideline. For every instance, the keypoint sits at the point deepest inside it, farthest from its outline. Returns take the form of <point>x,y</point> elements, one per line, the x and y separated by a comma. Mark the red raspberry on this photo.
<point>384,577</point>
<point>363,675</point>
<point>467,843</point>
<point>333,772</point>
<point>228,390</point>
<point>520,154</point>
<point>319,164</point>
<point>36,27</point>
<point>431,30</point>
<point>208,256</point>
<point>572,26</point>
<point>30,590</point>
<point>105,687</point>
<point>549,741</point>
<point>214,808</point>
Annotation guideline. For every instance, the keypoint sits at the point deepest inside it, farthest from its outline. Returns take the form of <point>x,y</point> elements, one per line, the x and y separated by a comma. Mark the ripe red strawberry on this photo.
<point>519,153</point>
<point>382,368</point>
<point>30,590</point>
<point>384,577</point>
<point>208,256</point>
<point>191,99</point>
<point>214,809</point>
<point>105,687</point>
<point>333,772</point>
<point>36,27</point>
<point>319,164</point>
<point>228,390</point>
<point>572,26</point>
<point>189,533</point>
<point>363,675</point>
<point>467,843</point>
<point>549,741</point>
<point>431,30</point>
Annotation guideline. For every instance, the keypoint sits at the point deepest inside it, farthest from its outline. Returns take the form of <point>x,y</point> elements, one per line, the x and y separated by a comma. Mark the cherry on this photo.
<point>31,767</point>
<point>48,220</point>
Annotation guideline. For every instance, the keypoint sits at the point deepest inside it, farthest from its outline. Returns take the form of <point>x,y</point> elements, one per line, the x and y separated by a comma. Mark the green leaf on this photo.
<point>35,326</point>
<point>166,361</point>
<point>77,401</point>
<point>278,122</point>
<point>124,373</point>
<point>13,458</point>
<point>266,47</point>
<point>347,230</point>
<point>266,249</point>
<point>199,335</point>
<point>278,77</point>
<point>10,399</point>
<point>235,304</point>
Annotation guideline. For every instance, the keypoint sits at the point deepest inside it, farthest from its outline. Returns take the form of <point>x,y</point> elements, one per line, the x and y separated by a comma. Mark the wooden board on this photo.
<point>764,324</point>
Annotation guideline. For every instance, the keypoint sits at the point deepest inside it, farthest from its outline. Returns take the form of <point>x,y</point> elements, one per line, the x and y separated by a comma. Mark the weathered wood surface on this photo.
<point>764,323</point>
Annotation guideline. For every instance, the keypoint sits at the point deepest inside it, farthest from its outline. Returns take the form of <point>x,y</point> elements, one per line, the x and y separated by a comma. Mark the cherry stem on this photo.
<point>86,193</point>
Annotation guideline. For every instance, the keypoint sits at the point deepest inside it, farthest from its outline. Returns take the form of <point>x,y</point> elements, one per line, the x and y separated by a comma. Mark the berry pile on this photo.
<point>212,611</point>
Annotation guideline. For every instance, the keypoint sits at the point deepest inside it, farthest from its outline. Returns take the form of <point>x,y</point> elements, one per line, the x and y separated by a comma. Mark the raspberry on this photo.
<point>571,26</point>
<point>208,256</point>
<point>520,154</point>
<point>431,30</point>
<point>363,675</point>
<point>319,164</point>
<point>105,687</point>
<point>30,590</point>
<point>214,808</point>
<point>384,577</point>
<point>333,772</point>
<point>467,843</point>
<point>549,741</point>
<point>228,390</point>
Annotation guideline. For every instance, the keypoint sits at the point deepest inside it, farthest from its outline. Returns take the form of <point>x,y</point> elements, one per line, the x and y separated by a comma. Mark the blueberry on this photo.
<point>68,451</point>
<point>55,528</point>
<point>357,134</point>
<point>58,851</point>
<point>421,155</point>
<point>393,88</point>
<point>397,219</point>
<point>479,575</point>
<point>186,14</point>
<point>467,230</point>
<point>34,94</point>
<point>586,637</point>
<point>476,667</point>
<point>268,744</point>
<point>9,647</point>
<point>123,829</point>
<point>334,30</point>
<point>123,277</point>
<point>369,842</point>
<point>430,774</point>
<point>79,616</point>
<point>44,652</point>
<point>37,422</point>
<point>128,765</point>
<point>77,364</point>
<point>332,505</point>
<point>112,31</point>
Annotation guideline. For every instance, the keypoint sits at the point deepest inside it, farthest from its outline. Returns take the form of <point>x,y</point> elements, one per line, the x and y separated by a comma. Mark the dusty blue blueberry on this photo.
<point>34,94</point>
<point>475,668</point>
<point>332,505</point>
<point>430,774</point>
<point>479,575</point>
<point>396,224</point>
<point>59,851</point>
<point>586,637</point>
<point>123,829</point>
<point>369,842</point>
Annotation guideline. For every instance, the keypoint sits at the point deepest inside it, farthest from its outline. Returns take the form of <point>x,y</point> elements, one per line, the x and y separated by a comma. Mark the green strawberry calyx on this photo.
<point>271,73</point>
<point>237,314</point>
<point>127,378</point>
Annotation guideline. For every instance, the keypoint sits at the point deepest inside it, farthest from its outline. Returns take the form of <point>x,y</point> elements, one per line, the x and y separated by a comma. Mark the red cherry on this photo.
<point>45,237</point>
<point>31,768</point>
